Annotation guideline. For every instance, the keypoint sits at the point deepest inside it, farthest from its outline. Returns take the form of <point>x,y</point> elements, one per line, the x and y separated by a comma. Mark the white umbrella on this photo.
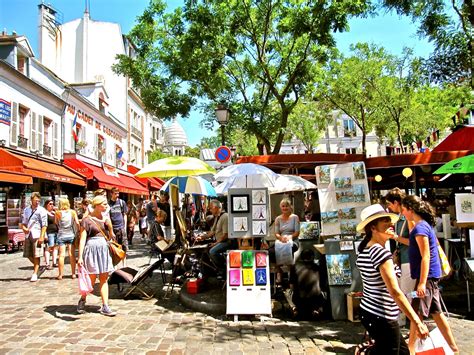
<point>246,175</point>
<point>286,183</point>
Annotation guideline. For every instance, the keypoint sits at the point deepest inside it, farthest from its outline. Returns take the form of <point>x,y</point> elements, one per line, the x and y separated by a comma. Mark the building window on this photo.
<point>351,150</point>
<point>102,103</point>
<point>349,128</point>
<point>21,65</point>
<point>23,112</point>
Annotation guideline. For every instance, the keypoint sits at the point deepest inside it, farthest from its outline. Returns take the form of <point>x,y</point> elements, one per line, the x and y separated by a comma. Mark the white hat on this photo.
<point>374,212</point>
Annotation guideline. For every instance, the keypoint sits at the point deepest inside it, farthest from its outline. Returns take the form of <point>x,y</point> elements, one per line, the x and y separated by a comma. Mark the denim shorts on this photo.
<point>52,239</point>
<point>65,241</point>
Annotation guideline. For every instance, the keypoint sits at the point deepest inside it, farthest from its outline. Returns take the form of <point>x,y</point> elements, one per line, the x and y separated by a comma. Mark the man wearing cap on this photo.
<point>382,298</point>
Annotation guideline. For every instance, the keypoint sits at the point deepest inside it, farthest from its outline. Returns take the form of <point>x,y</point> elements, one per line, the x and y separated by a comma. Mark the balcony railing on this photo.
<point>136,132</point>
<point>46,150</point>
<point>22,142</point>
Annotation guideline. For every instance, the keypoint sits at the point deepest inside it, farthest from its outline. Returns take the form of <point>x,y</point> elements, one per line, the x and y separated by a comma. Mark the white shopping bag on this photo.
<point>435,340</point>
<point>284,253</point>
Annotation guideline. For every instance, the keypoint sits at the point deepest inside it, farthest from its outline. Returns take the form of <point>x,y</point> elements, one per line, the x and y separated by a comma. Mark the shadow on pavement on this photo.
<point>67,313</point>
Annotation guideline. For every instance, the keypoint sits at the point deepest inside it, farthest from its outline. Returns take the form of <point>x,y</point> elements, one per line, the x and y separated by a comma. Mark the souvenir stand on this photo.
<point>248,281</point>
<point>343,193</point>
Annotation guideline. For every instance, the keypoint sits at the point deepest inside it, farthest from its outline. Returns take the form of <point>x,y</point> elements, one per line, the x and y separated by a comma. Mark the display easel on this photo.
<point>246,243</point>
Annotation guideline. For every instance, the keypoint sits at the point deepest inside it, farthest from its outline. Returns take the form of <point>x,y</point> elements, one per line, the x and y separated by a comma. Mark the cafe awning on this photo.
<point>461,139</point>
<point>15,163</point>
<point>152,183</point>
<point>124,183</point>
<point>17,178</point>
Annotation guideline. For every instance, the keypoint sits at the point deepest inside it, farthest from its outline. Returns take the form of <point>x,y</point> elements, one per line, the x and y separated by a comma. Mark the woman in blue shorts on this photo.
<point>68,223</point>
<point>425,266</point>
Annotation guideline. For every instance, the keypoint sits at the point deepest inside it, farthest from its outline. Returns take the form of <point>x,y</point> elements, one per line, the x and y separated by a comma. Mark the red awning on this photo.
<point>152,183</point>
<point>124,183</point>
<point>38,168</point>
<point>461,139</point>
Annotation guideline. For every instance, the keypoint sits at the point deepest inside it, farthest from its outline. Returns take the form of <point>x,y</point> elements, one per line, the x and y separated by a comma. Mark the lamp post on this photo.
<point>222,114</point>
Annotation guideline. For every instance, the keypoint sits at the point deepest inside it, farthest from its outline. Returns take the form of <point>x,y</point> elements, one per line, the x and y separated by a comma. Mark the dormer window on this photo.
<point>21,64</point>
<point>102,103</point>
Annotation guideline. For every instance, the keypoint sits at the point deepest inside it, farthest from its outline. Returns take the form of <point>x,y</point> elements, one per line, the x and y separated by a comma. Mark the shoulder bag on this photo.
<point>115,249</point>
<point>443,260</point>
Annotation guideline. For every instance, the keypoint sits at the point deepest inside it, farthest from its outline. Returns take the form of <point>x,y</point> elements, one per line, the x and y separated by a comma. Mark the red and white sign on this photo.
<point>223,154</point>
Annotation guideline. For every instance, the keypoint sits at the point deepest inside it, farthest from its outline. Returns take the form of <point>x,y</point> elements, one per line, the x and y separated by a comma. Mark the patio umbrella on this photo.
<point>246,175</point>
<point>463,165</point>
<point>175,166</point>
<point>287,183</point>
<point>191,185</point>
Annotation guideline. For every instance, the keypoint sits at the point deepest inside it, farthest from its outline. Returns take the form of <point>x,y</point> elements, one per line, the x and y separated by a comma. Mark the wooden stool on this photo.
<point>246,243</point>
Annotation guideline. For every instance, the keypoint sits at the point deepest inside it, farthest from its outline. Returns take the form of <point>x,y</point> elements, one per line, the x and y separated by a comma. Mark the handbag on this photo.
<point>115,249</point>
<point>85,285</point>
<point>443,260</point>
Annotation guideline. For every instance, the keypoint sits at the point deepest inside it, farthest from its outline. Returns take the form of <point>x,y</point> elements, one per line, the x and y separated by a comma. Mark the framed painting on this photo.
<point>239,203</point>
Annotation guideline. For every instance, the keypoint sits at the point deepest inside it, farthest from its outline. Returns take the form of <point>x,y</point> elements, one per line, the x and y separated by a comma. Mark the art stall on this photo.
<point>343,193</point>
<point>248,281</point>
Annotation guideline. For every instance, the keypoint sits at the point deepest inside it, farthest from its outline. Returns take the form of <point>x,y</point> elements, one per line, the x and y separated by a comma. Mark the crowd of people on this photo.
<point>397,256</point>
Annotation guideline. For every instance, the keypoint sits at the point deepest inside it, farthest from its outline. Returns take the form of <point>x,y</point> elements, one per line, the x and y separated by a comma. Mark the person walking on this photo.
<point>132,218</point>
<point>382,298</point>
<point>94,254</point>
<point>425,266</point>
<point>402,231</point>
<point>68,224</point>
<point>34,223</point>
<point>52,235</point>
<point>118,217</point>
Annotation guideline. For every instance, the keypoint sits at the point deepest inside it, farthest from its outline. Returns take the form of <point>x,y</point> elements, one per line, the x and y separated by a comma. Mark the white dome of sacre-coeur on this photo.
<point>175,135</point>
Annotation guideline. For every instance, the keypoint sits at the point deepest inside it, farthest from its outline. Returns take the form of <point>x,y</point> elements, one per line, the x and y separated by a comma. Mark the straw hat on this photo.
<point>374,212</point>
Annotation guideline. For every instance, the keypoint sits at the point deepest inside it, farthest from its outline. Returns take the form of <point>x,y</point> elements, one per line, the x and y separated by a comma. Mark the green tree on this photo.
<point>156,155</point>
<point>259,57</point>
<point>308,122</point>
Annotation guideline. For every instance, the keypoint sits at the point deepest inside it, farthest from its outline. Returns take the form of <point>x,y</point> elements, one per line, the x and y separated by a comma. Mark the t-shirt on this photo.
<point>221,225</point>
<point>94,227</point>
<point>376,298</point>
<point>401,228</point>
<point>150,211</point>
<point>424,229</point>
<point>35,220</point>
<point>287,227</point>
<point>117,210</point>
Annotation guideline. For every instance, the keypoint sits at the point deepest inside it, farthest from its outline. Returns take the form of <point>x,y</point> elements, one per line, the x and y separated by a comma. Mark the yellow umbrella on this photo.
<point>175,166</point>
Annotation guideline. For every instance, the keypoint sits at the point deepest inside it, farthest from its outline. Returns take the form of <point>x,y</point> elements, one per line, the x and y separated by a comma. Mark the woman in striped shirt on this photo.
<point>382,296</point>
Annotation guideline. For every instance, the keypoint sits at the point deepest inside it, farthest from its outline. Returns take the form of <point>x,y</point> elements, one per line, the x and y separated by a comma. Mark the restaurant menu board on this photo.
<point>248,213</point>
<point>343,193</point>
<point>248,282</point>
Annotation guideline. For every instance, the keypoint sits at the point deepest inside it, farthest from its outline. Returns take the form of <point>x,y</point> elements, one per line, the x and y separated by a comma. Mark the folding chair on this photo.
<point>135,278</point>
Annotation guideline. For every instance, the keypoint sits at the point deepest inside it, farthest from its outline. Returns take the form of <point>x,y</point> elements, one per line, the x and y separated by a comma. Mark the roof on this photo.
<point>461,139</point>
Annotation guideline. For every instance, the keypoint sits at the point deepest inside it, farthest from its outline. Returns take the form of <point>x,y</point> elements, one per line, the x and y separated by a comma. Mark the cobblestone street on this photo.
<point>41,318</point>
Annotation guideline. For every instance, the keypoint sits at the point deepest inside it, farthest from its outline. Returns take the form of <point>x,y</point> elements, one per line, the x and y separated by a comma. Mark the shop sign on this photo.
<point>5,112</point>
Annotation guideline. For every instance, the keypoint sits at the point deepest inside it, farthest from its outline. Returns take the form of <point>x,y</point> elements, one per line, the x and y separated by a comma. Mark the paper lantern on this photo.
<point>378,178</point>
<point>407,172</point>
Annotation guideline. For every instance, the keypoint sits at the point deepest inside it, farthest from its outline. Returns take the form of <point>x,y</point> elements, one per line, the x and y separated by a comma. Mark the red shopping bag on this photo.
<point>85,285</point>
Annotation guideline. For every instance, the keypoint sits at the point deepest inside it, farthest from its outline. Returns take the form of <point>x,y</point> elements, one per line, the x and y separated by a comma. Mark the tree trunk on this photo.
<point>364,134</point>
<point>281,135</point>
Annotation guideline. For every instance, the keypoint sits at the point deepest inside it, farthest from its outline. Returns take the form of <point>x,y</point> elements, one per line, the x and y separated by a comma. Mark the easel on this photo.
<point>246,243</point>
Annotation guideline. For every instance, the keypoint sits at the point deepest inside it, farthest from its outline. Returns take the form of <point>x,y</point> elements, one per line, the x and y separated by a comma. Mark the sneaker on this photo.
<point>106,311</point>
<point>81,306</point>
<point>34,278</point>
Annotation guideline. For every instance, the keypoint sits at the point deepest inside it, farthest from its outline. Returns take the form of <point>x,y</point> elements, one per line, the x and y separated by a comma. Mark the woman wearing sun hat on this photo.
<point>382,298</point>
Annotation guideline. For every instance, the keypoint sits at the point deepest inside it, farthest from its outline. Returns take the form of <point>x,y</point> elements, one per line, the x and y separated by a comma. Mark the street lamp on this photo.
<point>222,114</point>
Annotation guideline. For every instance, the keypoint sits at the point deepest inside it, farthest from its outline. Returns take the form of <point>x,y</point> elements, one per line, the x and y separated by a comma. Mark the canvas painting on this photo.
<point>240,203</point>
<point>347,213</point>
<point>324,175</point>
<point>259,197</point>
<point>346,245</point>
<point>261,277</point>
<point>343,182</point>
<point>234,259</point>
<point>259,228</point>
<point>348,227</point>
<point>329,217</point>
<point>240,224</point>
<point>359,193</point>
<point>260,259</point>
<point>344,196</point>
<point>259,212</point>
<point>309,230</point>
<point>339,269</point>
<point>234,277</point>
<point>247,276</point>
<point>359,171</point>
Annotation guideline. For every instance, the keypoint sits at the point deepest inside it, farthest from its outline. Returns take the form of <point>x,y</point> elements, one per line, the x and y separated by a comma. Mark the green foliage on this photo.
<point>156,155</point>
<point>193,152</point>
<point>259,57</point>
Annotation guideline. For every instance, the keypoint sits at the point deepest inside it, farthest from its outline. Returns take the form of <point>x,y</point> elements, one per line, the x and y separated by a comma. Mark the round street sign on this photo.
<point>223,154</point>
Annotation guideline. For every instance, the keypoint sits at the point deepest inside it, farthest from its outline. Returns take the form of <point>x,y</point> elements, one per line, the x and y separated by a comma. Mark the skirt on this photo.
<point>96,256</point>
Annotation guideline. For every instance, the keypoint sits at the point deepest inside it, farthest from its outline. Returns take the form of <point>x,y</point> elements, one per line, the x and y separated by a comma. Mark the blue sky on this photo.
<point>21,16</point>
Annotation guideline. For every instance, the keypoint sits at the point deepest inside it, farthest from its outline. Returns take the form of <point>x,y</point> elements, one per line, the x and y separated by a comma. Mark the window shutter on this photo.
<point>55,139</point>
<point>34,134</point>
<point>40,132</point>
<point>14,125</point>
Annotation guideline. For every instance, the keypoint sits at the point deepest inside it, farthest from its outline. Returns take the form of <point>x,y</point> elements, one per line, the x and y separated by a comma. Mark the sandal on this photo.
<point>59,277</point>
<point>49,267</point>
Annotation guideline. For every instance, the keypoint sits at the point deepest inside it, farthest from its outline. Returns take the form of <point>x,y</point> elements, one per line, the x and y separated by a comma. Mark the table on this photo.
<point>16,238</point>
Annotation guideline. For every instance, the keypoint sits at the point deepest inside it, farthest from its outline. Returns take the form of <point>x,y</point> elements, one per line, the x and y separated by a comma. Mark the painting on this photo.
<point>339,269</point>
<point>343,182</point>
<point>346,245</point>
<point>347,213</point>
<point>359,193</point>
<point>259,197</point>
<point>359,171</point>
<point>240,203</point>
<point>324,175</point>
<point>344,196</point>
<point>348,227</point>
<point>309,230</point>
<point>240,224</point>
<point>259,228</point>
<point>329,217</point>
<point>259,212</point>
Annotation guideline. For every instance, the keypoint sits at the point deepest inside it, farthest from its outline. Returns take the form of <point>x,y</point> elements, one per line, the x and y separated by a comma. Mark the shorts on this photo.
<point>52,238</point>
<point>31,249</point>
<point>65,240</point>
<point>119,237</point>
<point>431,303</point>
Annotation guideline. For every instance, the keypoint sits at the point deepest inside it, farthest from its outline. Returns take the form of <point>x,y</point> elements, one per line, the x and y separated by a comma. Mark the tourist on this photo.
<point>402,231</point>
<point>382,297</point>
<point>118,217</point>
<point>132,218</point>
<point>94,254</point>
<point>34,223</point>
<point>425,266</point>
<point>68,224</point>
<point>51,234</point>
